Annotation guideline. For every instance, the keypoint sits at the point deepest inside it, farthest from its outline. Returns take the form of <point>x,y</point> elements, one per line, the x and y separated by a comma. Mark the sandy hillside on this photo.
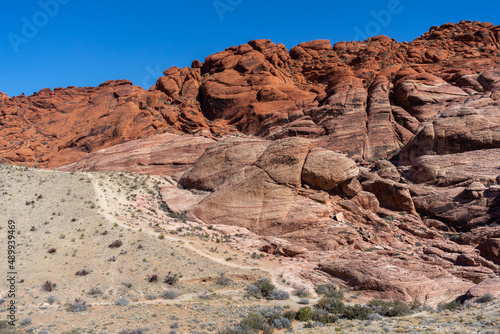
<point>65,223</point>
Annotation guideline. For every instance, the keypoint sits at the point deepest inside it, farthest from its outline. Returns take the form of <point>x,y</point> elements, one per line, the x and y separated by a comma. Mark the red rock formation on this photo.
<point>386,229</point>
<point>365,99</point>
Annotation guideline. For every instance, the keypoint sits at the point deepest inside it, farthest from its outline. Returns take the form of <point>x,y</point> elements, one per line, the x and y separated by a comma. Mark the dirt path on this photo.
<point>104,204</point>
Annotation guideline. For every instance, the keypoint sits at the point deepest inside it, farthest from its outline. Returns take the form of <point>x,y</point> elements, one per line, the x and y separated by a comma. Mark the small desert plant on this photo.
<point>25,322</point>
<point>122,302</point>
<point>451,306</point>
<point>171,278</point>
<point>331,304</point>
<point>153,278</point>
<point>95,291</point>
<point>82,272</point>
<point>389,309</point>
<point>323,316</point>
<point>290,315</point>
<point>281,323</point>
<point>276,294</point>
<point>51,299</point>
<point>486,298</point>
<point>360,312</point>
<point>253,291</point>
<point>116,244</point>
<point>77,306</point>
<point>48,286</point>
<point>170,294</point>
<point>254,321</point>
<point>255,256</point>
<point>304,314</point>
<point>72,331</point>
<point>265,286</point>
<point>222,280</point>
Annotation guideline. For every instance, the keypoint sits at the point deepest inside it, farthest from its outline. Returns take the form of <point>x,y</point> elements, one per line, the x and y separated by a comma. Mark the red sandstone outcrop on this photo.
<point>164,154</point>
<point>365,99</point>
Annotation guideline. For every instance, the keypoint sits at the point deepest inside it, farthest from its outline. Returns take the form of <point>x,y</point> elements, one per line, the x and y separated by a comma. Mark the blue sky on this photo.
<point>57,43</point>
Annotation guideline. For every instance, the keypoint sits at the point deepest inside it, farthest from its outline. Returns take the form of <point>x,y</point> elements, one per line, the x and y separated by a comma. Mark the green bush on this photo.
<point>331,304</point>
<point>254,321</point>
<point>390,308</point>
<point>265,286</point>
<point>290,315</point>
<point>304,314</point>
<point>486,298</point>
<point>323,316</point>
<point>360,312</point>
<point>451,306</point>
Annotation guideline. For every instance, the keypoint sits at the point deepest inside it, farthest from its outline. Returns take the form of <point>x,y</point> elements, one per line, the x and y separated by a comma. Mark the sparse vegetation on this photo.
<point>48,286</point>
<point>116,244</point>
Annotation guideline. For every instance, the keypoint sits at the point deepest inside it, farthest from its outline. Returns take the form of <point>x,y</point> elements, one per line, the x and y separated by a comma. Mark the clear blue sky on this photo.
<point>84,43</point>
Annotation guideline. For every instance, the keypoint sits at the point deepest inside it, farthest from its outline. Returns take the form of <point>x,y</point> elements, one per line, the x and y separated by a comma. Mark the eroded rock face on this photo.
<point>164,154</point>
<point>364,99</point>
<point>297,196</point>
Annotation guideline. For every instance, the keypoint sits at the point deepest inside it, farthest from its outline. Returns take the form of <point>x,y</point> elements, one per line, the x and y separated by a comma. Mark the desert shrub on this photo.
<point>175,325</point>
<point>153,278</point>
<point>6,328</point>
<point>25,322</point>
<point>323,316</point>
<point>266,329</point>
<point>255,256</point>
<point>82,272</point>
<point>331,304</point>
<point>170,294</point>
<point>48,286</point>
<point>77,306</point>
<point>205,295</point>
<point>2,300</point>
<point>265,286</point>
<point>290,315</point>
<point>141,330</point>
<point>253,291</point>
<point>150,296</point>
<point>330,291</point>
<point>375,316</point>
<point>43,331</point>
<point>254,321</point>
<point>122,302</point>
<point>390,308</point>
<point>72,331</point>
<point>281,323</point>
<point>451,306</point>
<point>303,301</point>
<point>222,280</point>
<point>116,244</point>
<point>95,291</point>
<point>311,324</point>
<point>360,312</point>
<point>51,299</point>
<point>304,314</point>
<point>171,278</point>
<point>486,298</point>
<point>276,294</point>
<point>128,285</point>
